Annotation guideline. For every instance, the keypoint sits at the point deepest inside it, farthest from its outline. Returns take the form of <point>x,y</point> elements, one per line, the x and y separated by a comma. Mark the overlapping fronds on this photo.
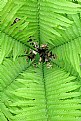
<point>30,97</point>
<point>40,92</point>
<point>71,33</point>
<point>53,18</point>
<point>9,71</point>
<point>63,95</point>
<point>18,19</point>
<point>18,22</point>
<point>69,53</point>
<point>10,48</point>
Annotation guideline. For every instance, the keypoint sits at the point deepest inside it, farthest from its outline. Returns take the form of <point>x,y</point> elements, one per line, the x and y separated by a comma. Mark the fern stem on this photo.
<point>26,44</point>
<point>66,42</point>
<point>39,21</point>
<point>43,65</point>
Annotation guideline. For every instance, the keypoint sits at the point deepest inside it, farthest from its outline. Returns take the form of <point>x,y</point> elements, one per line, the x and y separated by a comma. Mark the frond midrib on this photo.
<point>74,39</point>
<point>77,75</point>
<point>16,77</point>
<point>38,21</point>
<point>27,45</point>
<point>43,73</point>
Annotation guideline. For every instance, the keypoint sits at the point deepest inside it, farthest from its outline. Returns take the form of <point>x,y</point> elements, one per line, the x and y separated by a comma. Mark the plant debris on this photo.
<point>42,54</point>
<point>15,21</point>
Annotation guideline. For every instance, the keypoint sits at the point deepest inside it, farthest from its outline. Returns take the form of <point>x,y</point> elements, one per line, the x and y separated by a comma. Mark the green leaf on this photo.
<point>36,90</point>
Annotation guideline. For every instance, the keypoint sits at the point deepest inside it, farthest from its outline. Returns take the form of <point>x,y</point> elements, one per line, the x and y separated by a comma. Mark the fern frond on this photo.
<point>26,26</point>
<point>39,93</point>
<point>9,71</point>
<point>54,18</point>
<point>30,98</point>
<point>2,4</point>
<point>10,48</point>
<point>69,56</point>
<point>70,34</point>
<point>63,96</point>
<point>11,33</point>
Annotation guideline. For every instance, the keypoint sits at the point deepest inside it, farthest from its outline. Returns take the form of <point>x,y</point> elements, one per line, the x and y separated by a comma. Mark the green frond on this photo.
<point>62,95</point>
<point>69,56</point>
<point>9,71</point>
<point>53,19</point>
<point>70,34</point>
<point>30,90</point>
<point>14,36</point>
<point>26,25</point>
<point>2,4</point>
<point>30,98</point>
<point>10,48</point>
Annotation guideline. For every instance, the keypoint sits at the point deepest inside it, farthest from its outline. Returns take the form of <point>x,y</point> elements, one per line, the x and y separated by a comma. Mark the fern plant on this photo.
<point>32,89</point>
